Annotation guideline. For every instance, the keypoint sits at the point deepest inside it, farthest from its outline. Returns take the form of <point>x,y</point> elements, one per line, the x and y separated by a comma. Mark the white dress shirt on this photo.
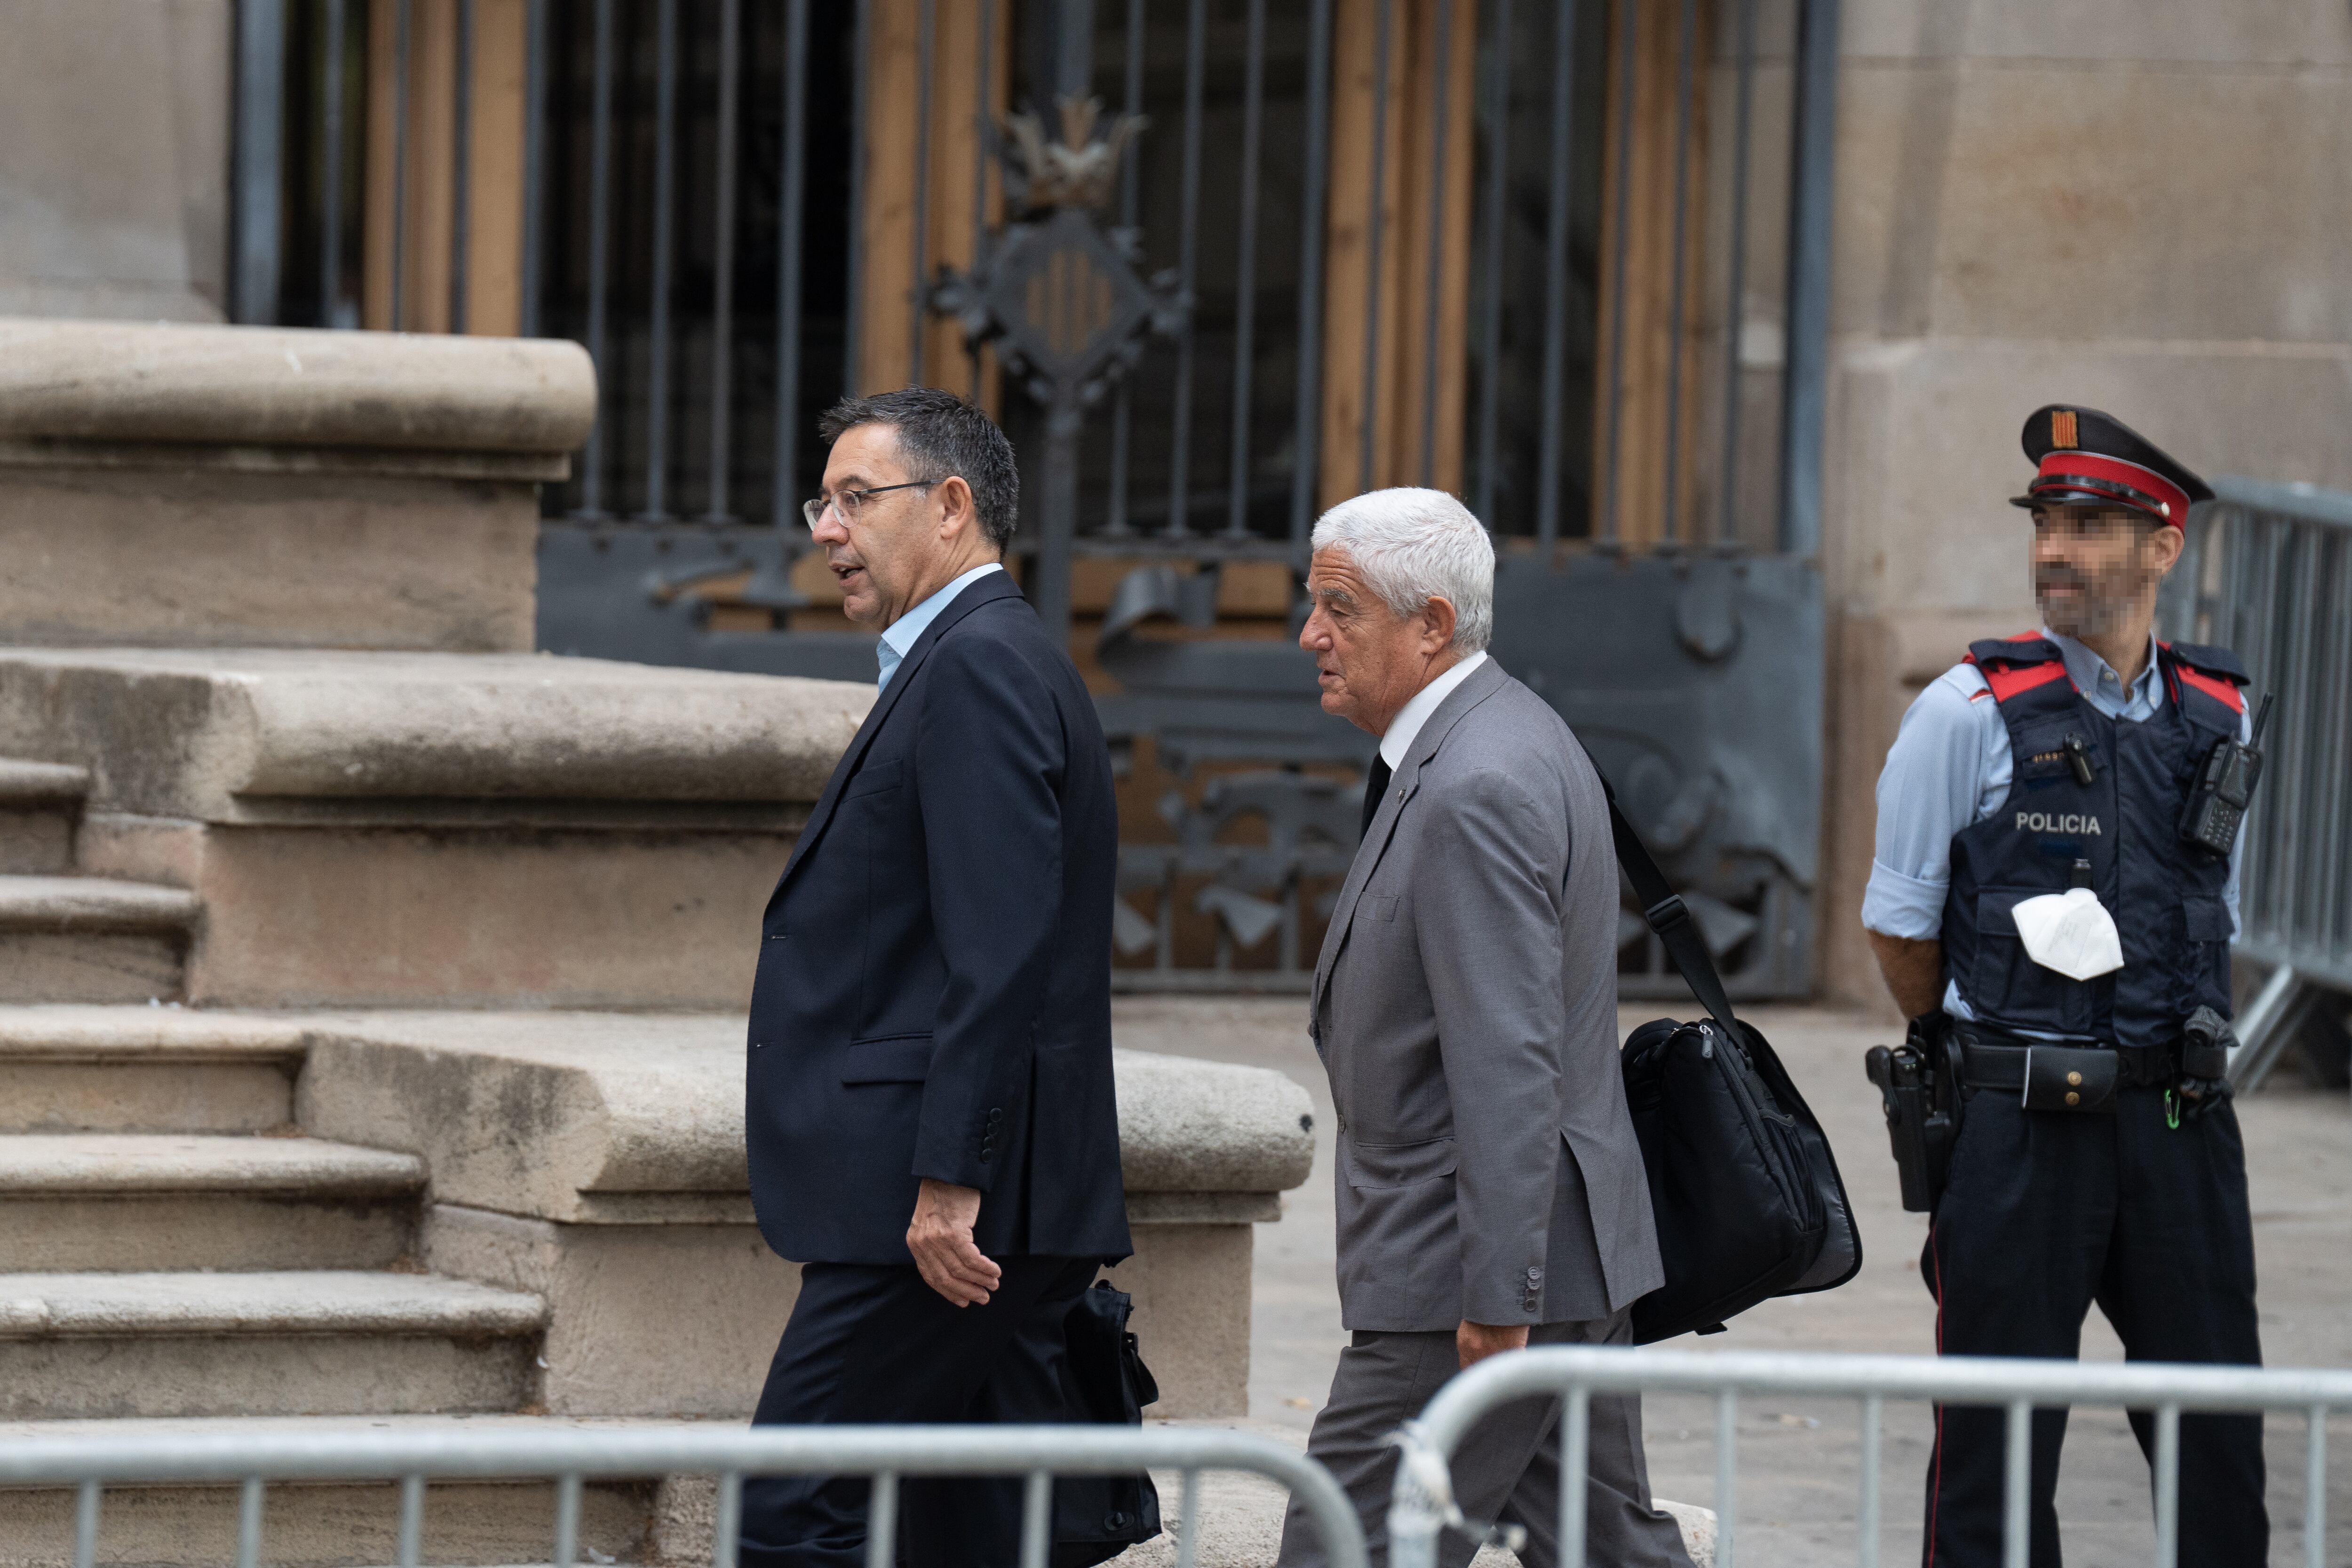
<point>1405,728</point>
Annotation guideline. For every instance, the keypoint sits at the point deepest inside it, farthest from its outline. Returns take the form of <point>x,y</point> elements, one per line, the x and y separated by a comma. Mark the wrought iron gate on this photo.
<point>1215,264</point>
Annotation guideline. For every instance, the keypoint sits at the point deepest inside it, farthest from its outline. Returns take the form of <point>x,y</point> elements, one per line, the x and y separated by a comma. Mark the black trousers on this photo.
<point>2044,1214</point>
<point>873,1344</point>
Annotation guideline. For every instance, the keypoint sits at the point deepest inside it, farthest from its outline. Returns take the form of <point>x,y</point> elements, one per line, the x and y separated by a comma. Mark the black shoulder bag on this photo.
<point>1747,1194</point>
<point>1103,1379</point>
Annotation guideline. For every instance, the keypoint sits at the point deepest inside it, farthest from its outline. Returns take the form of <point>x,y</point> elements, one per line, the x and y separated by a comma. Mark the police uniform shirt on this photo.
<point>1949,768</point>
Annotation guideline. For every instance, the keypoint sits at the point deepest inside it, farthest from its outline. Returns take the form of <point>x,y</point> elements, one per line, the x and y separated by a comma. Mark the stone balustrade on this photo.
<point>225,397</point>
<point>180,486</point>
<point>596,1160</point>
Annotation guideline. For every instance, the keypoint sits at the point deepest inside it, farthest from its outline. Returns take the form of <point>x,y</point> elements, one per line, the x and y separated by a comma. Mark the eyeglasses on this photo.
<point>846,504</point>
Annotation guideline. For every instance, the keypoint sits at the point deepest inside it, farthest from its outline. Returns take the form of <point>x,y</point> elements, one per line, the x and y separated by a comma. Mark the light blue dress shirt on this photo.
<point>1949,768</point>
<point>900,637</point>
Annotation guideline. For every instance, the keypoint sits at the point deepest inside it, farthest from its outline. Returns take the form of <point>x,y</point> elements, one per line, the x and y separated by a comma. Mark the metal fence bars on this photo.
<point>1422,1500</point>
<point>886,1453</point>
<point>2267,571</point>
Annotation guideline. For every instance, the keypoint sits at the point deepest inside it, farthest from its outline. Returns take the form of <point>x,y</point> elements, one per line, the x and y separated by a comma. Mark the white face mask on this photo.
<point>2070,933</point>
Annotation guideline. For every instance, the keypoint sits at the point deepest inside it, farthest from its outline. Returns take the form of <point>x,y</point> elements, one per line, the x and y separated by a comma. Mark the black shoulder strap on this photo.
<point>2212,660</point>
<point>1663,907</point>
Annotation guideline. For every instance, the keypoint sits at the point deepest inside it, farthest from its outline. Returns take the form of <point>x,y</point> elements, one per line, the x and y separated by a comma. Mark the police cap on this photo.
<point>2085,458</point>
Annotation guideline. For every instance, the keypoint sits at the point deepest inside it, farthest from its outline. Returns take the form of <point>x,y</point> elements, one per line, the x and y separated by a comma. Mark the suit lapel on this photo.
<point>994,586</point>
<point>1481,683</point>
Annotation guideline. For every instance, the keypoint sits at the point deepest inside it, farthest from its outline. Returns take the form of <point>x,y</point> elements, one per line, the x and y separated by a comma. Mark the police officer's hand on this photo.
<point>2198,1095</point>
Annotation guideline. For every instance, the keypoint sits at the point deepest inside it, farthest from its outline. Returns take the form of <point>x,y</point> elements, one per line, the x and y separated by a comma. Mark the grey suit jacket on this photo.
<point>1465,1006</point>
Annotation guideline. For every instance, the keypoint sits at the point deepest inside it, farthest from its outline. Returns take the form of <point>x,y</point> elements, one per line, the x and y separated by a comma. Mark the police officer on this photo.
<point>2097,1157</point>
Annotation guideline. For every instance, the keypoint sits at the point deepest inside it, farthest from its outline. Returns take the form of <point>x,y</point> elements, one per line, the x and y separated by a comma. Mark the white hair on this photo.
<point>1413,546</point>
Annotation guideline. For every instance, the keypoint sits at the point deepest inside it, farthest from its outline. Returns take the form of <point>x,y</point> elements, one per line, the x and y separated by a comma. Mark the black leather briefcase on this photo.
<point>1096,1518</point>
<point>1749,1201</point>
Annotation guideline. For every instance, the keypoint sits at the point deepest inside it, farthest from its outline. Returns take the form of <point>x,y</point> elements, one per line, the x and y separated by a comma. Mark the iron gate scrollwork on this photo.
<point>1060,300</point>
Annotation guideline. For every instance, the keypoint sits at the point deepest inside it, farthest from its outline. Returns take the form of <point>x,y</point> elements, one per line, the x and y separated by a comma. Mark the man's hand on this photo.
<point>1474,1342</point>
<point>940,1236</point>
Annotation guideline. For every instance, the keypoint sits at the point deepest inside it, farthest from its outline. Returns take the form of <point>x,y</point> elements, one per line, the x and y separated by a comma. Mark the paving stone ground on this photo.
<point>1797,1459</point>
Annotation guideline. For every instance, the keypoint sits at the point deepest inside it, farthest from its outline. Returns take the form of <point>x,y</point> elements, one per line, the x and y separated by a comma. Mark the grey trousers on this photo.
<point>1508,1468</point>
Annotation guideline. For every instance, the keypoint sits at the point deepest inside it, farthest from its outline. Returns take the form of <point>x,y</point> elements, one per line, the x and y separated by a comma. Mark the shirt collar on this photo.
<point>1405,728</point>
<point>899,639</point>
<point>2085,668</point>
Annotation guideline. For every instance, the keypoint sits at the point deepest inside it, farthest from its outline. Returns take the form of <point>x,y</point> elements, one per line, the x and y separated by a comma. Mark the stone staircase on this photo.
<point>185,1254</point>
<point>175,1248</point>
<point>77,938</point>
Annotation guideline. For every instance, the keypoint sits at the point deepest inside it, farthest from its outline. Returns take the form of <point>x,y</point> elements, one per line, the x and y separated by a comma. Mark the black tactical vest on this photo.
<point>2164,895</point>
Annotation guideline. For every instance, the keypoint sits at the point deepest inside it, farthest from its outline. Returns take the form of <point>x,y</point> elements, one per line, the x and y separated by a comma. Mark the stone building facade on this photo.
<point>2141,206</point>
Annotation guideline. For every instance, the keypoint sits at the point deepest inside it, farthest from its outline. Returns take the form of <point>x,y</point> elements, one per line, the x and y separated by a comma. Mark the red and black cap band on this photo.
<point>2086,458</point>
<point>2075,478</point>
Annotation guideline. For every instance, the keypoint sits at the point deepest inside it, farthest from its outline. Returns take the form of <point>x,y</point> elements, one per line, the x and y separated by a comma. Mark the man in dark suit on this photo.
<point>929,1102</point>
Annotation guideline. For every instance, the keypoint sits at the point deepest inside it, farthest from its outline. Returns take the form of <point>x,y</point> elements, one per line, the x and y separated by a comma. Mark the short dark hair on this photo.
<point>940,435</point>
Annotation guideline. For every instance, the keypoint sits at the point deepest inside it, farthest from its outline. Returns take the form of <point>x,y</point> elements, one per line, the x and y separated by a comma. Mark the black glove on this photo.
<point>2195,1096</point>
<point>2205,1041</point>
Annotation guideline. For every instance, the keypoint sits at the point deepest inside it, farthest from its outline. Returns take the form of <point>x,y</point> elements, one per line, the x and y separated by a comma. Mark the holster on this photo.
<point>1920,1094</point>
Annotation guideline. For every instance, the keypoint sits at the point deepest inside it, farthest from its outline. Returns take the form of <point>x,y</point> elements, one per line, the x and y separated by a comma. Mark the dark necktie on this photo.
<point>1376,784</point>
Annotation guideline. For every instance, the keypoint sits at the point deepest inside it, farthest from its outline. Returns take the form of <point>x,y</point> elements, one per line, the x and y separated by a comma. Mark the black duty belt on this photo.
<point>1985,1064</point>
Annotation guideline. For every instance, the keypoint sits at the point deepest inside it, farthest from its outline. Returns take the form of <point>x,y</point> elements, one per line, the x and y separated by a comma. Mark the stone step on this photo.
<point>467,1524</point>
<point>40,802</point>
<point>145,1070</point>
<point>91,939</point>
<point>278,1344</point>
<point>78,1202</point>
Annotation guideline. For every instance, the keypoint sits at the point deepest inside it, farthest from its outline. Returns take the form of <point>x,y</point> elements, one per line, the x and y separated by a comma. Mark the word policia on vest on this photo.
<point>2060,822</point>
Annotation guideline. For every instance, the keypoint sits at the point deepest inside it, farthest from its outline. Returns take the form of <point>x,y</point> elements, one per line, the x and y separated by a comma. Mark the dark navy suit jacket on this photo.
<point>934,985</point>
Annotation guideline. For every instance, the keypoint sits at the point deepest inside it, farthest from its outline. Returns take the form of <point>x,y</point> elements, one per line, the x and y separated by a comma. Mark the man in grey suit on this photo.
<point>1491,1194</point>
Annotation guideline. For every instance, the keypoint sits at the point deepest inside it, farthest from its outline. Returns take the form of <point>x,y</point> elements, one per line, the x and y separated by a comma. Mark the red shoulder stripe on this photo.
<point>2219,690</point>
<point>2006,683</point>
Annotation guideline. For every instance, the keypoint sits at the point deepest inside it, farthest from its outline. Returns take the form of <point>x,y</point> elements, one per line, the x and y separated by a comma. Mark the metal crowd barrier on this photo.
<point>884,1453</point>
<point>1423,1503</point>
<point>2267,570</point>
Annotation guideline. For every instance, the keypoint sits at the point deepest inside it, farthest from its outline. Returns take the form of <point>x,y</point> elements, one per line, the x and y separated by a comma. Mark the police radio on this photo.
<point>2225,784</point>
